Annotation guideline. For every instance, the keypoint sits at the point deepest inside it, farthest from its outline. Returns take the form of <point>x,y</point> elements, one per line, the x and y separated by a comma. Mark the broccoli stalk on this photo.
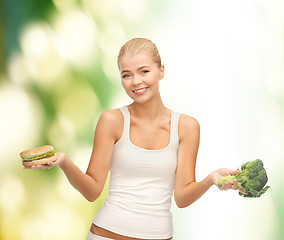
<point>251,179</point>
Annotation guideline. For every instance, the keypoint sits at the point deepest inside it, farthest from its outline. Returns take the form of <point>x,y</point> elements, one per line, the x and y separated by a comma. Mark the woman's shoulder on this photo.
<point>112,121</point>
<point>187,124</point>
<point>112,116</point>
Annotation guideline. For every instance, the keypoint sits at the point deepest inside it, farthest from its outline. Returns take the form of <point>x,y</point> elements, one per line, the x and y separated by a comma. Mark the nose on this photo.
<point>136,80</point>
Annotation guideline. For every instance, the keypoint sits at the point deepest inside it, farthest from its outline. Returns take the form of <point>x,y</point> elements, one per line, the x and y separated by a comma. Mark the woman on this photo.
<point>149,150</point>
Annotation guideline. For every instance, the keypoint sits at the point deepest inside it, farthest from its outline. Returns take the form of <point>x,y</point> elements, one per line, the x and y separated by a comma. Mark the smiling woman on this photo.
<point>150,152</point>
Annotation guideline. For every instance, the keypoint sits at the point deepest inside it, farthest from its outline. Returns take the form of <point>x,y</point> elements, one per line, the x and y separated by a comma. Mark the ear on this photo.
<point>162,72</point>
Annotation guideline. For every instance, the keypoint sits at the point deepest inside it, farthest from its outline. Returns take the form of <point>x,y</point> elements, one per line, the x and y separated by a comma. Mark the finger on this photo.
<point>222,187</point>
<point>236,171</point>
<point>46,166</point>
<point>230,185</point>
<point>30,167</point>
<point>235,184</point>
<point>50,164</point>
<point>242,191</point>
<point>39,166</point>
<point>226,185</point>
<point>36,167</point>
<point>53,164</point>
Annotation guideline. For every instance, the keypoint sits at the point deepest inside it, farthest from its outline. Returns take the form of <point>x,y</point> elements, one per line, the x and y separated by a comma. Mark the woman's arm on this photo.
<point>84,183</point>
<point>187,190</point>
<point>91,183</point>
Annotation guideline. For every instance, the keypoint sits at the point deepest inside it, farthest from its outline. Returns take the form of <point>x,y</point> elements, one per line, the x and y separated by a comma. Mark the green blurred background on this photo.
<point>224,66</point>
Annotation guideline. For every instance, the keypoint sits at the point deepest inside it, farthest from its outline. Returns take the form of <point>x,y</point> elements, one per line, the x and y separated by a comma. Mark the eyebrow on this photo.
<point>137,69</point>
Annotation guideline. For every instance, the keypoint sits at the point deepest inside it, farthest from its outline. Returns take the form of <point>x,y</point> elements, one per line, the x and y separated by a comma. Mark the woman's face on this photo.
<point>140,76</point>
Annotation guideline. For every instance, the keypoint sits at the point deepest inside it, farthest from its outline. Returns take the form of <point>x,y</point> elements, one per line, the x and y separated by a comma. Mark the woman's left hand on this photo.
<point>222,172</point>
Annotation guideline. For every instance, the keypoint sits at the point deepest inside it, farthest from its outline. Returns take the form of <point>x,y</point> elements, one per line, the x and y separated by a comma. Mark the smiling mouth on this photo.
<point>140,91</point>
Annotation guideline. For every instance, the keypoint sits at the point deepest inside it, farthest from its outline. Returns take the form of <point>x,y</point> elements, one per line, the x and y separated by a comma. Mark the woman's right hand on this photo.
<point>61,158</point>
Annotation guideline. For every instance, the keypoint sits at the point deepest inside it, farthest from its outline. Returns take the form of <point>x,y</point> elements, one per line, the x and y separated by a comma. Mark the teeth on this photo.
<point>140,90</point>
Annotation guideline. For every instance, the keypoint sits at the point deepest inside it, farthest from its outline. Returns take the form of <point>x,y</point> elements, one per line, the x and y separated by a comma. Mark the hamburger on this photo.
<point>38,156</point>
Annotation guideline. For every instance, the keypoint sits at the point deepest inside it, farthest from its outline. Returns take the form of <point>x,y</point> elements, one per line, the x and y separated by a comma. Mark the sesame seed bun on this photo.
<point>36,151</point>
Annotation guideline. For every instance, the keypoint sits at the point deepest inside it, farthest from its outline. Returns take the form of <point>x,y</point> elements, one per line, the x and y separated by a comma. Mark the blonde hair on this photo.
<point>136,45</point>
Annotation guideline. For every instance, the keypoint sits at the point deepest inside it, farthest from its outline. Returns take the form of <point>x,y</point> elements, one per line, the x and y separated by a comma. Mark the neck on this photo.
<point>150,110</point>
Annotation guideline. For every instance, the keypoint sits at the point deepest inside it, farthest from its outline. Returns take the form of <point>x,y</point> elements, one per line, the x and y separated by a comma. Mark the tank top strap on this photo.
<point>126,122</point>
<point>174,128</point>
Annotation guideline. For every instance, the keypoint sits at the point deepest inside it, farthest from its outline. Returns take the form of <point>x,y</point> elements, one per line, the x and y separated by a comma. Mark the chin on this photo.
<point>141,101</point>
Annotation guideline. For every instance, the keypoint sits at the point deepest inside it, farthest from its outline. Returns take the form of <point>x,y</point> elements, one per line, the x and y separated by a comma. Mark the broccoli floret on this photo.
<point>251,179</point>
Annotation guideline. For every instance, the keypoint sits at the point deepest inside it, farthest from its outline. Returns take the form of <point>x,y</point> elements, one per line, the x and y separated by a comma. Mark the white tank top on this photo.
<point>141,187</point>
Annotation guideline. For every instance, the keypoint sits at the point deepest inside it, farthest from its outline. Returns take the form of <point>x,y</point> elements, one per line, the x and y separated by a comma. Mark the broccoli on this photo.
<point>251,179</point>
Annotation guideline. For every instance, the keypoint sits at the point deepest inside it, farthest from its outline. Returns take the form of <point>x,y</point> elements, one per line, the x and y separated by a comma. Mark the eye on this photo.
<point>125,76</point>
<point>145,71</point>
